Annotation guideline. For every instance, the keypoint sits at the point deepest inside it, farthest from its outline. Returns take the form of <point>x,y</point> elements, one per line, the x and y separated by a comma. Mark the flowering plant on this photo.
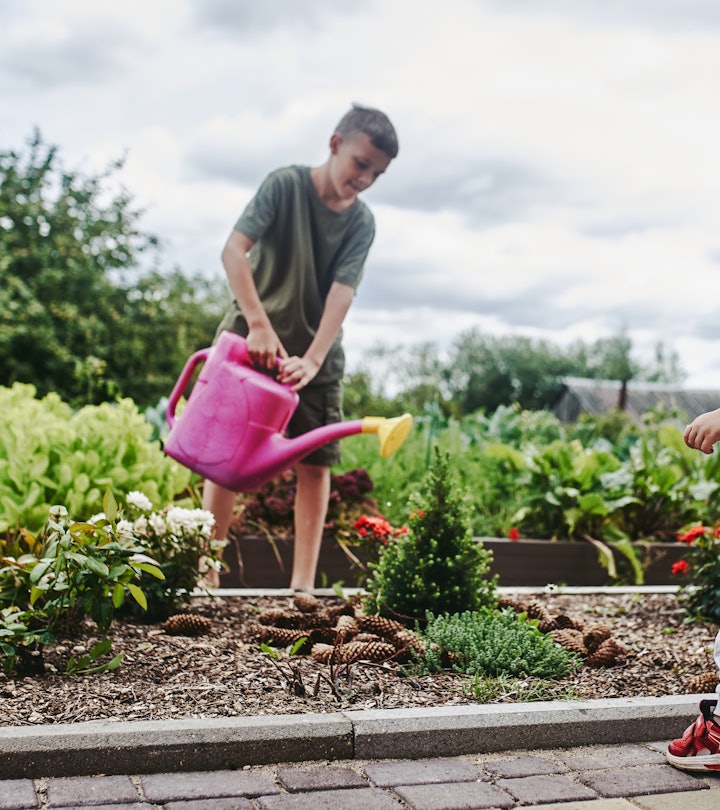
<point>703,565</point>
<point>179,539</point>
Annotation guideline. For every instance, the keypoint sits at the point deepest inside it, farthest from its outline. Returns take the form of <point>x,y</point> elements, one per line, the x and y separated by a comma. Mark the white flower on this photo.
<point>96,518</point>
<point>139,500</point>
<point>141,525</point>
<point>157,524</point>
<point>190,522</point>
<point>125,527</point>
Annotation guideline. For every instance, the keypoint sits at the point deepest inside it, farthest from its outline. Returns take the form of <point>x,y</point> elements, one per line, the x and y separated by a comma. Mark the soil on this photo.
<point>225,673</point>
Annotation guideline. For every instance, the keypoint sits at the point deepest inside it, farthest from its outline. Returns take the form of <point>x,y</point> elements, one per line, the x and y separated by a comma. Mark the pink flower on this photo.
<point>514,534</point>
<point>680,568</point>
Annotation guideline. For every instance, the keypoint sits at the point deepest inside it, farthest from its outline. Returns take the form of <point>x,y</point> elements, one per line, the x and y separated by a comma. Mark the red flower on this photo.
<point>514,533</point>
<point>680,568</point>
<point>692,534</point>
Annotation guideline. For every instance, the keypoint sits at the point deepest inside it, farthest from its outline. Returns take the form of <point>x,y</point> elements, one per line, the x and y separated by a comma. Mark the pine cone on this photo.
<point>347,625</point>
<point>187,624</point>
<point>704,684</point>
<point>305,602</point>
<point>548,625</point>
<point>563,621</point>
<point>366,637</point>
<point>375,651</point>
<point>536,610</point>
<point>570,639</point>
<point>322,652</point>
<point>324,635</point>
<point>594,635</point>
<point>345,609</point>
<point>506,602</point>
<point>381,625</point>
<point>607,654</point>
<point>280,636</point>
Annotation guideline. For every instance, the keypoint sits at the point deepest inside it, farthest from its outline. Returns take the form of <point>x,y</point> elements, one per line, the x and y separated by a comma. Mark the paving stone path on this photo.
<point>615,777</point>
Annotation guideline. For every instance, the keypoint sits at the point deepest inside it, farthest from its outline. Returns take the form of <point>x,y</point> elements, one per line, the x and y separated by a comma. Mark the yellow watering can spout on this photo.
<point>391,432</point>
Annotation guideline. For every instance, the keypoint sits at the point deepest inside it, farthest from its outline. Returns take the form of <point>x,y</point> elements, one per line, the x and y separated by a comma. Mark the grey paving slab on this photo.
<point>544,789</point>
<point>522,766</point>
<point>472,729</point>
<point>355,798</point>
<point>86,791</point>
<point>17,794</point>
<point>326,777</point>
<point>640,781</point>
<point>160,788</point>
<point>678,801</point>
<point>454,796</point>
<point>114,806</point>
<point>212,804</point>
<point>610,756</point>
<point>418,772</point>
<point>182,745</point>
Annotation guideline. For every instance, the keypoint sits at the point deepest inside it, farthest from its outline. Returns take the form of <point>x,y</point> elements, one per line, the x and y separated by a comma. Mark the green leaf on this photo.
<point>118,595</point>
<point>110,506</point>
<point>153,570</point>
<point>97,567</point>
<point>137,595</point>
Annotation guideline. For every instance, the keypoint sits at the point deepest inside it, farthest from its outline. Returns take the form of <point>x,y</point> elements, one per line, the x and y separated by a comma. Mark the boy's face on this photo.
<point>355,164</point>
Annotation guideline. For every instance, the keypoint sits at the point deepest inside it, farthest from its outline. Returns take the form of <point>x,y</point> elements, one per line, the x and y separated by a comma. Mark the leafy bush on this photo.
<point>437,566</point>
<point>50,454</point>
<point>80,569</point>
<point>489,642</point>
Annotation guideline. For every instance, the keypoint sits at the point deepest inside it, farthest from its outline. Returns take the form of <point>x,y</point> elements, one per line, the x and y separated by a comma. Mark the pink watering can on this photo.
<point>231,430</point>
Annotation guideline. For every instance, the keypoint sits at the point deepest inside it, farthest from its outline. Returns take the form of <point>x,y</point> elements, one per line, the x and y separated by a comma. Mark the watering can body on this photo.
<point>231,430</point>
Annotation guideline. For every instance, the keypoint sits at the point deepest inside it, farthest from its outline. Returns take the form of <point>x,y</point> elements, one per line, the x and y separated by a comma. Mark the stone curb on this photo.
<point>143,747</point>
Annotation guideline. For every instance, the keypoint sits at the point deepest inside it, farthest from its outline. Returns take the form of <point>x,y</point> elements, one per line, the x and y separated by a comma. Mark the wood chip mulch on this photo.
<point>220,670</point>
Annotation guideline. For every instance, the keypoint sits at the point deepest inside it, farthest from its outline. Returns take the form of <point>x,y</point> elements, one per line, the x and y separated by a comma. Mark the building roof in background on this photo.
<point>581,395</point>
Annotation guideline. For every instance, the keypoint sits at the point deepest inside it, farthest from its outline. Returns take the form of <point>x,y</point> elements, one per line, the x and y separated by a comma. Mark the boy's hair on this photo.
<point>374,123</point>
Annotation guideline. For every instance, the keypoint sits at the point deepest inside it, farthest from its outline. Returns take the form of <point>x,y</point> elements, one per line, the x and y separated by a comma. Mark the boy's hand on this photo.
<point>703,432</point>
<point>264,347</point>
<point>298,372</point>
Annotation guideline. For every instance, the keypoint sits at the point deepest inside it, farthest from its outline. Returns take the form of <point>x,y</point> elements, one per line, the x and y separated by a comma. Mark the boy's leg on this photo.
<point>220,502</point>
<point>311,504</point>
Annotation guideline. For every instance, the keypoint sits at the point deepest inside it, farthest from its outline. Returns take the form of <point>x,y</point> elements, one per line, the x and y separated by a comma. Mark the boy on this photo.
<point>699,747</point>
<point>293,262</point>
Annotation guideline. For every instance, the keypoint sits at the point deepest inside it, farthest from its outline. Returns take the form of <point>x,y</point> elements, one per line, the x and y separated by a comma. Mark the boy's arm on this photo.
<point>703,432</point>
<point>301,370</point>
<point>263,344</point>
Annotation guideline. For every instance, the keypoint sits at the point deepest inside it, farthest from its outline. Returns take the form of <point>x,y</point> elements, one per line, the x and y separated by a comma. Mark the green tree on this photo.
<point>78,315</point>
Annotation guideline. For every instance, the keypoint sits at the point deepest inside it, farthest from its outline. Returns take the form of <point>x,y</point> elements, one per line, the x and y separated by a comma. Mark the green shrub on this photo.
<point>50,454</point>
<point>493,643</point>
<point>80,569</point>
<point>436,566</point>
<point>702,563</point>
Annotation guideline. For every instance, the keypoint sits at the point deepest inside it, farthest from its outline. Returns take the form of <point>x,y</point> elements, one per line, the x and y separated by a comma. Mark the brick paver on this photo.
<point>522,766</point>
<point>707,800</point>
<point>420,772</point>
<point>327,777</point>
<point>357,798</point>
<point>544,789</point>
<point>90,791</point>
<point>231,803</point>
<point>610,756</point>
<point>161,788</point>
<point>17,794</point>
<point>640,781</point>
<point>455,796</point>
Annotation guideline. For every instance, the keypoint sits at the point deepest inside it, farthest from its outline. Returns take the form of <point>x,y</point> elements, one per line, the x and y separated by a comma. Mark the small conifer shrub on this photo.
<point>494,643</point>
<point>437,565</point>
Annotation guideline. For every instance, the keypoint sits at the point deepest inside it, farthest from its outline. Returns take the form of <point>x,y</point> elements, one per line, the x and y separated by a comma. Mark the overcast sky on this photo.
<point>559,166</point>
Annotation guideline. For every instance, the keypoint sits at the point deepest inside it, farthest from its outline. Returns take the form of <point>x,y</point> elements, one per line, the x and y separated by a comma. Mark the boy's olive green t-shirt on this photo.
<point>300,248</point>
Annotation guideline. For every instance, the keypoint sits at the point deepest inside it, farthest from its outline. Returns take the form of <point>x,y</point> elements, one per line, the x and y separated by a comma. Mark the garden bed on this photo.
<point>225,673</point>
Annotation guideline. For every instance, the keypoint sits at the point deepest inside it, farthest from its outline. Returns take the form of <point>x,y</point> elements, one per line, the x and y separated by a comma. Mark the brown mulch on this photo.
<point>224,673</point>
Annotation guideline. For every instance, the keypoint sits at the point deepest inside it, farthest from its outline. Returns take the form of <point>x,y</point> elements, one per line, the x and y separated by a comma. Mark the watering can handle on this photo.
<point>182,383</point>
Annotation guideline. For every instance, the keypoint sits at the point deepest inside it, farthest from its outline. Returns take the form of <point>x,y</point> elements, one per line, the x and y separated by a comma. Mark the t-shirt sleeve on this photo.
<point>353,253</point>
<point>260,212</point>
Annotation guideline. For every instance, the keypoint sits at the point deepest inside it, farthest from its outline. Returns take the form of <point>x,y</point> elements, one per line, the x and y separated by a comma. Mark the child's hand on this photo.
<point>264,347</point>
<point>297,372</point>
<point>702,433</point>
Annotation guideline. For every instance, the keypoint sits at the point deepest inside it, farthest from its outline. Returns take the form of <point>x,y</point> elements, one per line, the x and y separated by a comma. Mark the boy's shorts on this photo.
<point>319,405</point>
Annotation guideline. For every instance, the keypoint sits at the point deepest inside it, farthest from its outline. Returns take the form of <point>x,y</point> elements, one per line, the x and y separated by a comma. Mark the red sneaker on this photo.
<point>699,747</point>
